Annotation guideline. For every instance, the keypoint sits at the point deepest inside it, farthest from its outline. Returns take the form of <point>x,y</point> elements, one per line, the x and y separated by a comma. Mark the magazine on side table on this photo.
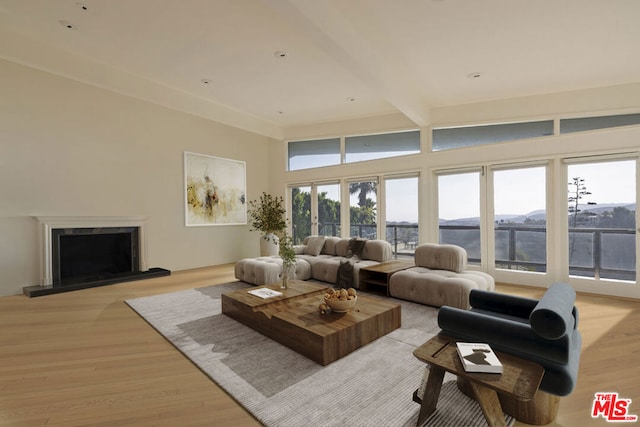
<point>478,357</point>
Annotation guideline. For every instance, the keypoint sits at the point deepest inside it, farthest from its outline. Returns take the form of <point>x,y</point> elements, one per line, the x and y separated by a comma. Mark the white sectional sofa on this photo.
<point>440,276</point>
<point>318,258</point>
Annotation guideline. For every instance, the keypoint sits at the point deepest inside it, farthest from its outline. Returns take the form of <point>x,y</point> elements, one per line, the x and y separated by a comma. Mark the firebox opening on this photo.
<point>88,254</point>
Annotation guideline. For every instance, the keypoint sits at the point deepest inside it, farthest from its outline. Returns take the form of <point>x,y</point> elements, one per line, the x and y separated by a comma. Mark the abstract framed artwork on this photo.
<point>215,190</point>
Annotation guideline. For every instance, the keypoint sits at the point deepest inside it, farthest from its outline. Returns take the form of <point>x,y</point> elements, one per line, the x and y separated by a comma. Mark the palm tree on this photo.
<point>364,188</point>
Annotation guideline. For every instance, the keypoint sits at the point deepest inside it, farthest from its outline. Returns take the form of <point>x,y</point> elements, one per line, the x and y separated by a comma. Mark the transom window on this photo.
<point>468,136</point>
<point>370,147</point>
<point>313,154</point>
<point>601,122</point>
<point>330,151</point>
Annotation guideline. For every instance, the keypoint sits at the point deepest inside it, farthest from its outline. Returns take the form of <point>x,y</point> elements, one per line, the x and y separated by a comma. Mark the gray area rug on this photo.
<point>372,386</point>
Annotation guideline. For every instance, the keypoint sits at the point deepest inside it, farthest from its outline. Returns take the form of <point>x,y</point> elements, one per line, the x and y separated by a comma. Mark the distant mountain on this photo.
<point>606,207</point>
<point>539,214</point>
<point>460,221</point>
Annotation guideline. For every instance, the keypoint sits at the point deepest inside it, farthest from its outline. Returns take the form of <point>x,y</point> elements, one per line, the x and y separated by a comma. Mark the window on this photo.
<point>300,213</point>
<point>401,214</point>
<point>313,154</point>
<point>601,215</point>
<point>369,147</point>
<point>328,152</point>
<point>459,212</point>
<point>329,209</point>
<point>591,123</point>
<point>457,137</point>
<point>363,210</point>
<point>520,228</point>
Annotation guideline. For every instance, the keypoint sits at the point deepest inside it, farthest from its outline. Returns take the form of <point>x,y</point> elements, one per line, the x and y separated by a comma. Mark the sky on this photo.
<point>517,192</point>
<point>523,191</point>
<point>402,200</point>
<point>402,203</point>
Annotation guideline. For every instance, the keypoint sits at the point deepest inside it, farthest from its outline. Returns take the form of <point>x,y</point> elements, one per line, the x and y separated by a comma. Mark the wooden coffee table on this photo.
<point>519,380</point>
<point>294,320</point>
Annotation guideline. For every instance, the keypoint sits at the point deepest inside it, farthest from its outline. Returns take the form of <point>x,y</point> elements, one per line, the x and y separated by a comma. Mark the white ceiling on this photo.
<point>345,59</point>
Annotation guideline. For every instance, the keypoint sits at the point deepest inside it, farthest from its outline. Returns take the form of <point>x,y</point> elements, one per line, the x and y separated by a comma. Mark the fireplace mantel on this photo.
<point>48,223</point>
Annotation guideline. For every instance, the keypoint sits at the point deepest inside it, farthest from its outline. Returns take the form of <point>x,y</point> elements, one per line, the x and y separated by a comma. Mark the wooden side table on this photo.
<point>520,379</point>
<point>379,274</point>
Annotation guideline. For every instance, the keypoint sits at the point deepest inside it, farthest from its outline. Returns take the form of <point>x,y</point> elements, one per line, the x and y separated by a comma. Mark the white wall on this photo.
<point>68,149</point>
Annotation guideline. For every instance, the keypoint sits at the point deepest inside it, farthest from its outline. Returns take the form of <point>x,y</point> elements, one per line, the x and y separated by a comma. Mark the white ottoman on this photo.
<point>267,270</point>
<point>439,278</point>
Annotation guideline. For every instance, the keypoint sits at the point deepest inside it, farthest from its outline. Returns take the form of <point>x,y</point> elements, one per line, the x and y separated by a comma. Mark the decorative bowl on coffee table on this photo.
<point>341,306</point>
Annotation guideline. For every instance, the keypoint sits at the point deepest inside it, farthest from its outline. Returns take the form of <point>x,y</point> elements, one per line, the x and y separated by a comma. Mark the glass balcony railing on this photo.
<point>604,253</point>
<point>403,238</point>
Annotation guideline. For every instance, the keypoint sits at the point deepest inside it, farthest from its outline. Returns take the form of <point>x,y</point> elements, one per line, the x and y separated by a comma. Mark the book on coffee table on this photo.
<point>265,293</point>
<point>478,357</point>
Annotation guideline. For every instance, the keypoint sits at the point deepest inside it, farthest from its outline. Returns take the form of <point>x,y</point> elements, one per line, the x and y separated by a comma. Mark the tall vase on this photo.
<point>269,245</point>
<point>287,272</point>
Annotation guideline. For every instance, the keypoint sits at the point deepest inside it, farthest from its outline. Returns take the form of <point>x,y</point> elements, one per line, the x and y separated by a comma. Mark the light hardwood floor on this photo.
<point>85,358</point>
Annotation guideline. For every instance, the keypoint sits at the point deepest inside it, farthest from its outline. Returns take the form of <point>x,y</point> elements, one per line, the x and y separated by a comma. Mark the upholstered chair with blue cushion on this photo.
<point>544,331</point>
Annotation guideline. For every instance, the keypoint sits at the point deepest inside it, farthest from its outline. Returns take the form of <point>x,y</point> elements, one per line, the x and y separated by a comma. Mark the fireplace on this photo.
<point>88,254</point>
<point>82,252</point>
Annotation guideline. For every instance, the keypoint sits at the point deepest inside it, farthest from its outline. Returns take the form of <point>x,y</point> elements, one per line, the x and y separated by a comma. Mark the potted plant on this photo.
<point>267,215</point>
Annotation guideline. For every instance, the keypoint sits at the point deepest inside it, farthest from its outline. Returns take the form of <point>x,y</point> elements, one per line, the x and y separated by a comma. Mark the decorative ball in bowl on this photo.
<point>340,300</point>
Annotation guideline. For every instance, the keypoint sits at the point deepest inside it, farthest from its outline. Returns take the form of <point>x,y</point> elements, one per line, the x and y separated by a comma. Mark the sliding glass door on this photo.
<point>510,203</point>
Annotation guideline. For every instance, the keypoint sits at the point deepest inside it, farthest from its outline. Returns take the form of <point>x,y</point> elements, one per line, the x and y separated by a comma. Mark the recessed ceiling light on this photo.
<point>280,54</point>
<point>67,25</point>
<point>474,75</point>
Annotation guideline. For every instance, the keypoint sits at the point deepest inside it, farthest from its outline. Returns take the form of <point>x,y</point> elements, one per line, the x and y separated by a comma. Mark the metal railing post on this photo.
<point>597,255</point>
